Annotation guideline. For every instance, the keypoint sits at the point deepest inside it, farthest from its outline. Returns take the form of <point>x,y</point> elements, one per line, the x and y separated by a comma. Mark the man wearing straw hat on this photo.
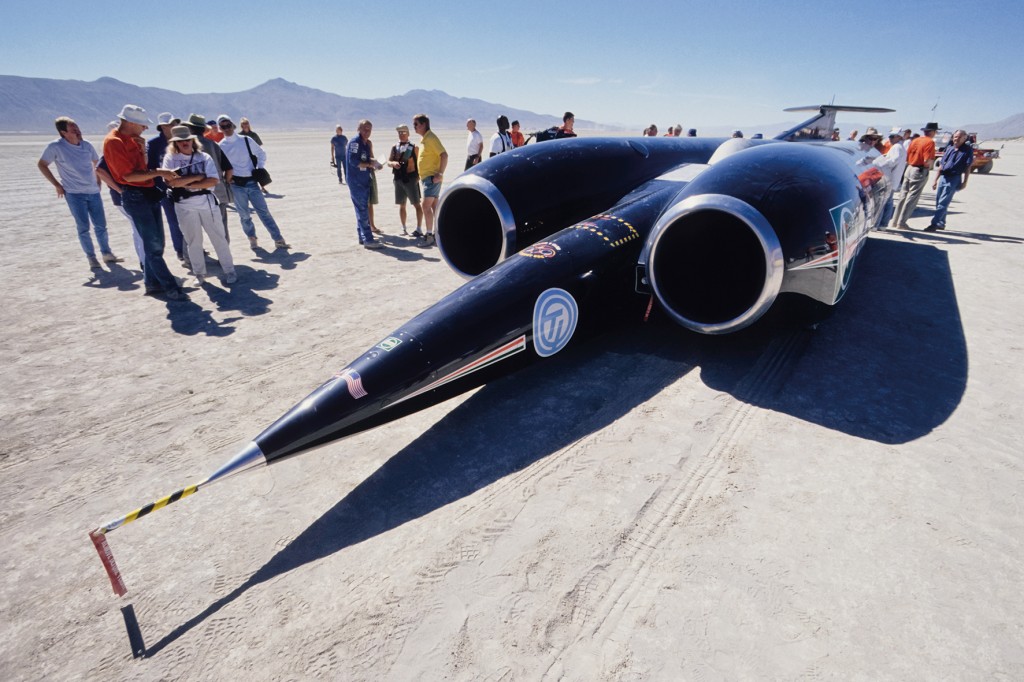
<point>124,152</point>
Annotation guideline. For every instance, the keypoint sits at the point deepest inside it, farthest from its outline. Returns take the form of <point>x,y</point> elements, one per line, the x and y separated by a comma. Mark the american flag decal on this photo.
<point>354,383</point>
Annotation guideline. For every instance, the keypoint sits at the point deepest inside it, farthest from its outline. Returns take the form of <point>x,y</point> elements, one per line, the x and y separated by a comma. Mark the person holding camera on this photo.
<point>407,178</point>
<point>194,202</point>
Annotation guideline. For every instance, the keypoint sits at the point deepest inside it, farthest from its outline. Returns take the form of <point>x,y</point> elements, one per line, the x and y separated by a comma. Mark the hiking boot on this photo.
<point>252,242</point>
<point>94,264</point>
<point>282,244</point>
<point>428,239</point>
<point>111,258</point>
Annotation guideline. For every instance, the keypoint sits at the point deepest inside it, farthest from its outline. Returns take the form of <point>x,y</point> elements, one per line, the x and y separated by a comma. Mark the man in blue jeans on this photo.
<point>76,163</point>
<point>952,174</point>
<point>240,150</point>
<point>124,152</point>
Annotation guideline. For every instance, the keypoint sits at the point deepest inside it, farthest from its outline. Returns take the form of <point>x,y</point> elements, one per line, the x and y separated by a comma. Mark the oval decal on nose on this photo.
<point>554,321</point>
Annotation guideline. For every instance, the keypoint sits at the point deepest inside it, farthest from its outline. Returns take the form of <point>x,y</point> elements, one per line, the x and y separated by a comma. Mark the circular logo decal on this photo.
<point>554,321</point>
<point>541,250</point>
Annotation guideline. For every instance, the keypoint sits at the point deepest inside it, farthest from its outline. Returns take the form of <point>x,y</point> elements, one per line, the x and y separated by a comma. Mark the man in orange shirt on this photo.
<point>518,139</point>
<point>213,132</point>
<point>124,152</point>
<point>920,157</point>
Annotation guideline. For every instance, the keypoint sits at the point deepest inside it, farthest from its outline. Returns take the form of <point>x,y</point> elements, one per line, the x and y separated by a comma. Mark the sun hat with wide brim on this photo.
<point>133,113</point>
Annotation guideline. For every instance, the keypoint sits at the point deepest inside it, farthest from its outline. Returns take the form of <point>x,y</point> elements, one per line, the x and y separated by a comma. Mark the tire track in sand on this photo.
<point>589,614</point>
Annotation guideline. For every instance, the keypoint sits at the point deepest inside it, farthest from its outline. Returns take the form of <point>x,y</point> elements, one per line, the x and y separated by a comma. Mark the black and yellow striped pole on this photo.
<point>250,457</point>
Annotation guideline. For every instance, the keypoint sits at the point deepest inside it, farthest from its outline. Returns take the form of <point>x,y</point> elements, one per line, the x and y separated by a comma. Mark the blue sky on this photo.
<point>716,62</point>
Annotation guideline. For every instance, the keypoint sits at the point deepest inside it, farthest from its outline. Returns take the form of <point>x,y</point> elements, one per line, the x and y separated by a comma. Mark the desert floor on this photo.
<point>840,502</point>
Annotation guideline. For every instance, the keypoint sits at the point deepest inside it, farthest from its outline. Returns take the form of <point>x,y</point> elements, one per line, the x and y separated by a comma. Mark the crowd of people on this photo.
<point>417,170</point>
<point>906,158</point>
<point>192,169</point>
<point>188,172</point>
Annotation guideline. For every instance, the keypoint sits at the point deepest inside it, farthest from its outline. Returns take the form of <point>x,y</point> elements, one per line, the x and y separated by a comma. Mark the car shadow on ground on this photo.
<point>889,366</point>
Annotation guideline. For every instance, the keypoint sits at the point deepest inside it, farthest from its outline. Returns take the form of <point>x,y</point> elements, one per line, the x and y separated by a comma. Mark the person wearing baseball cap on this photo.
<point>241,152</point>
<point>124,152</point>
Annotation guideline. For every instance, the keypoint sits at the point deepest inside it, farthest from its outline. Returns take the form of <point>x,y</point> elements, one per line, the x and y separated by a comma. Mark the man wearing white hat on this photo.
<point>76,162</point>
<point>124,151</point>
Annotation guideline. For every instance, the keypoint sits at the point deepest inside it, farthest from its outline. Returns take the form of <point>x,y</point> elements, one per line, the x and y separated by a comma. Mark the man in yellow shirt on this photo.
<point>432,161</point>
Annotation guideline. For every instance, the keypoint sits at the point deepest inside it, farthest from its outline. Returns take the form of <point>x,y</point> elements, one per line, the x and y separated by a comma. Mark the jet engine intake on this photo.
<point>714,263</point>
<point>478,229</point>
<point>518,198</point>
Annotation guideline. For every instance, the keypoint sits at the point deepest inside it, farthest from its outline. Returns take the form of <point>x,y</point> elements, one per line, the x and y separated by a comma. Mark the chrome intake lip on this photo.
<point>758,225</point>
<point>502,210</point>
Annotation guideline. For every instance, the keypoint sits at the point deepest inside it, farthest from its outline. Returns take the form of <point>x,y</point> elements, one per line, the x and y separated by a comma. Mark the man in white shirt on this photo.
<point>501,141</point>
<point>240,150</point>
<point>76,162</point>
<point>474,145</point>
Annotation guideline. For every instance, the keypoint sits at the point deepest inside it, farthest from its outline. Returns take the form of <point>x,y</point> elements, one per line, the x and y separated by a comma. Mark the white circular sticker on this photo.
<point>554,321</point>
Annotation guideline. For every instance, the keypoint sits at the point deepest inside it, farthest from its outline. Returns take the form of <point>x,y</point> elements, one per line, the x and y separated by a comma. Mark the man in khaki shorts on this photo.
<point>407,181</point>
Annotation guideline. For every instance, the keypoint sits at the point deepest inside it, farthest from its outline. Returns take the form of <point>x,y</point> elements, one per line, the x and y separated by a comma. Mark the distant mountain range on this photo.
<point>31,105</point>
